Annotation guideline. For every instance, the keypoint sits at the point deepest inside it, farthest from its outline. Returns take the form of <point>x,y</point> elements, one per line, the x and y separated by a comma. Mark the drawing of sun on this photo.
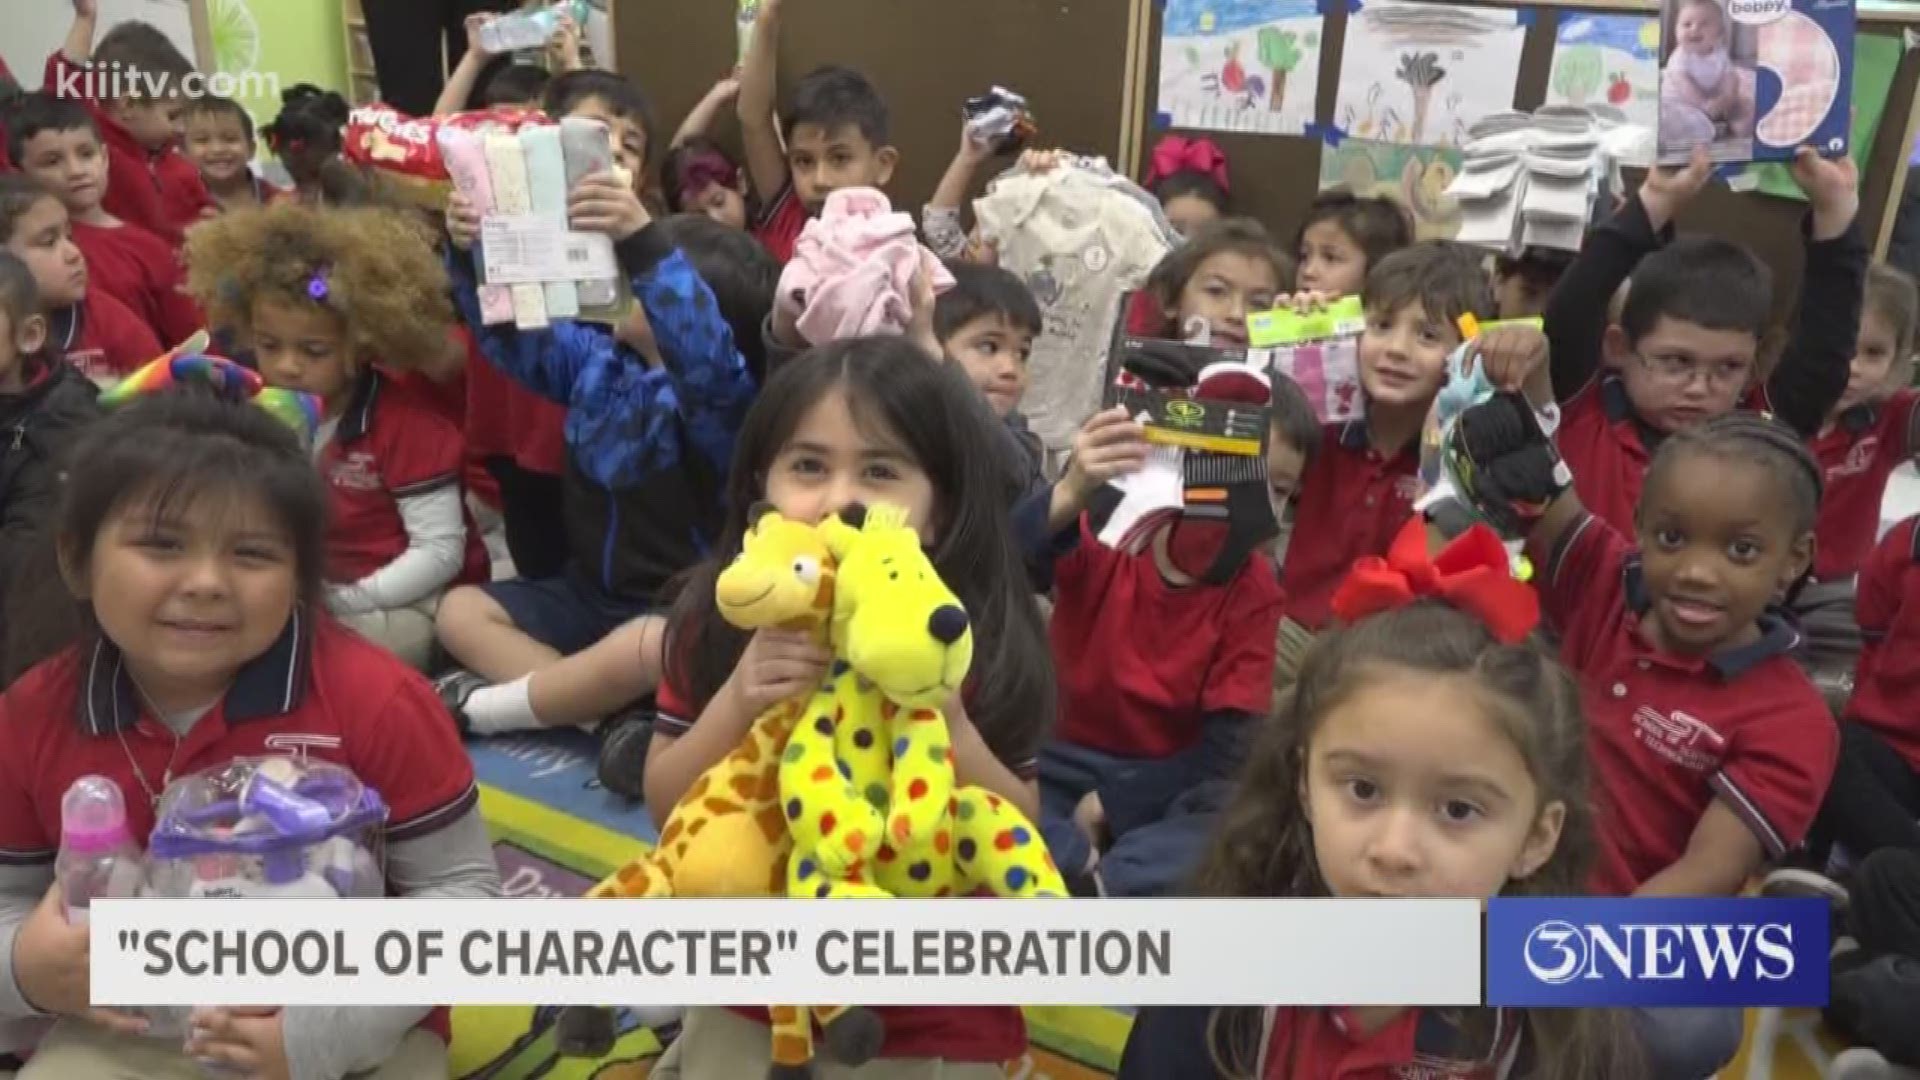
<point>1650,35</point>
<point>1206,22</point>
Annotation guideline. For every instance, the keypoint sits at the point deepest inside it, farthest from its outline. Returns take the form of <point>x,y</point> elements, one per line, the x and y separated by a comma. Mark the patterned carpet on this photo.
<point>555,833</point>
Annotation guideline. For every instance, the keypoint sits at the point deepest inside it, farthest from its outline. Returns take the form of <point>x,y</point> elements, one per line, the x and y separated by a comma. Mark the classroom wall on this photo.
<point>300,40</point>
<point>926,57</point>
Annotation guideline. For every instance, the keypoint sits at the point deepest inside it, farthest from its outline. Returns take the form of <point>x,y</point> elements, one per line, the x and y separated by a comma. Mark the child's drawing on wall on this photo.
<point>1240,65</point>
<point>1423,73</point>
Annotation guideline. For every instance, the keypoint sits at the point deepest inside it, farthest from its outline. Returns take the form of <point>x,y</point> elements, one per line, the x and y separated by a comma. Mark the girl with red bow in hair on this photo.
<point>1431,748</point>
<point>1189,177</point>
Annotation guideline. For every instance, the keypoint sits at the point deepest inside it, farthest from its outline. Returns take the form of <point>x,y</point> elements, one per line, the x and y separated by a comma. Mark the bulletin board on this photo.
<point>1069,57</point>
<point>35,28</point>
<point>1280,174</point>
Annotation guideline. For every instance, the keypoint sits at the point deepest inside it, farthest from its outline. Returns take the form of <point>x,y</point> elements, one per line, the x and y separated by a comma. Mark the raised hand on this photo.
<point>1669,188</point>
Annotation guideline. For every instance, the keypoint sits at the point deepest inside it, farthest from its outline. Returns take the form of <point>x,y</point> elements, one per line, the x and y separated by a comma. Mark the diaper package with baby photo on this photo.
<point>1754,80</point>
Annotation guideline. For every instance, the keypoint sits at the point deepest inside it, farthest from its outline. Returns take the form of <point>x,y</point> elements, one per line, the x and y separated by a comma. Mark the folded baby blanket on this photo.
<point>853,268</point>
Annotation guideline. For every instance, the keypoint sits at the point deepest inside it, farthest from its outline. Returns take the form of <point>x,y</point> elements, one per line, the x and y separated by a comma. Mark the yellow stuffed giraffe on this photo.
<point>725,837</point>
<point>867,779</point>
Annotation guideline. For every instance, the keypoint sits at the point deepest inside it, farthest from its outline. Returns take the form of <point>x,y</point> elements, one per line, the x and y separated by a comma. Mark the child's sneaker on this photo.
<point>623,753</point>
<point>454,688</point>
<point>1861,1063</point>
<point>1793,881</point>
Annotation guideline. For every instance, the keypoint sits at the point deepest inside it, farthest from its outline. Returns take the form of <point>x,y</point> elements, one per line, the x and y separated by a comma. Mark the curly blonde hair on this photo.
<point>381,276</point>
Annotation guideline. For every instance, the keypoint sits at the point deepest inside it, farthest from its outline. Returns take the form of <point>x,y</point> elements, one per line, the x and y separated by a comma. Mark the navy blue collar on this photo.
<point>357,419</point>
<point>1618,406</point>
<point>269,685</point>
<point>1777,634</point>
<point>1353,435</point>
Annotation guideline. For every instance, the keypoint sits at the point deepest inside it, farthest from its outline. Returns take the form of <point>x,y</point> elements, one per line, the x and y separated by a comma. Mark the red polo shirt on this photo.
<point>1353,501</point>
<point>160,191</point>
<point>780,223</point>
<point>1141,662</point>
<point>1331,1044</point>
<point>505,419</point>
<point>1886,685</point>
<point>1857,453</point>
<point>1603,441</point>
<point>138,269</point>
<point>952,1033</point>
<point>390,445</point>
<point>319,690</point>
<point>1669,734</point>
<point>103,337</point>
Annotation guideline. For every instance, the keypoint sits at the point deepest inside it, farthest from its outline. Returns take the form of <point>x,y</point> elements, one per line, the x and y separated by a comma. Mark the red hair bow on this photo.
<point>1177,154</point>
<point>1471,573</point>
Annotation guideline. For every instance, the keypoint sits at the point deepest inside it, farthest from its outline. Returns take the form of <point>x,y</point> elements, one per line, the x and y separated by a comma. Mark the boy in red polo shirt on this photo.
<point>192,528</point>
<point>1359,489</point>
<point>56,143</point>
<point>137,107</point>
<point>96,333</point>
<point>835,136</point>
<point>1686,344</point>
<point>220,143</point>
<point>1164,660</point>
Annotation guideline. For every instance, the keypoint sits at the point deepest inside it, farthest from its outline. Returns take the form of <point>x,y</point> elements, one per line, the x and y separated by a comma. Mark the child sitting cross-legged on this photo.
<point>1711,748</point>
<point>1165,657</point>
<point>332,303</point>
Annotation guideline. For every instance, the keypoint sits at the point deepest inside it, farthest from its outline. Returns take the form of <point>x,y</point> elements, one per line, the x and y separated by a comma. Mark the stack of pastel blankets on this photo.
<point>526,172</point>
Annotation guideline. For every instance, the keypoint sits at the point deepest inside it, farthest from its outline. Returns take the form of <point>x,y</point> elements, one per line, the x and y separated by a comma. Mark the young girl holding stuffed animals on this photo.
<point>867,421</point>
<point>192,535</point>
<point>330,301</point>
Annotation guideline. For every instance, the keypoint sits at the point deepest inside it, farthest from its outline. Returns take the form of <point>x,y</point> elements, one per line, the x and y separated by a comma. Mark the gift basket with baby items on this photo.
<point>272,827</point>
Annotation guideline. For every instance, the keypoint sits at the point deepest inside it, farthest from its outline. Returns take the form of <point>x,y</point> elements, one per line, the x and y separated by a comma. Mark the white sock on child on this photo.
<point>496,710</point>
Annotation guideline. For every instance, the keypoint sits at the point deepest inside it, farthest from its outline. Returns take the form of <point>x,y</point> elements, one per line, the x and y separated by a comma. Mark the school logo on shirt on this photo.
<point>1407,487</point>
<point>1859,459</point>
<point>356,471</point>
<point>1679,738</point>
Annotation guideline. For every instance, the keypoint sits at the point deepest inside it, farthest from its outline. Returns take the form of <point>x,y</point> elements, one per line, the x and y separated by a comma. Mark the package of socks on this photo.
<point>533,267</point>
<point>1755,80</point>
<point>1207,411</point>
<point>1318,350</point>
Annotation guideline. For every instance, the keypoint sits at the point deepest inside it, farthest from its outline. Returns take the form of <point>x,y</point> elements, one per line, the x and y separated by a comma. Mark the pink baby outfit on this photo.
<point>852,269</point>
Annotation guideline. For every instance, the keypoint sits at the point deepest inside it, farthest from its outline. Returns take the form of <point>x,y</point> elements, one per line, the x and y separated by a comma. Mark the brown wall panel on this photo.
<point>927,57</point>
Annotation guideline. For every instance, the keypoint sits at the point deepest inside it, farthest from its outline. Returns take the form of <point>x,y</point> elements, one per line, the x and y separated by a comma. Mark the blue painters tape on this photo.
<point>1525,16</point>
<point>1326,133</point>
<point>1163,119</point>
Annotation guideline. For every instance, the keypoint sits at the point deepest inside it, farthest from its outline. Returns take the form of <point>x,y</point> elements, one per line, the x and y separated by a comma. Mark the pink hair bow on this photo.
<point>1175,154</point>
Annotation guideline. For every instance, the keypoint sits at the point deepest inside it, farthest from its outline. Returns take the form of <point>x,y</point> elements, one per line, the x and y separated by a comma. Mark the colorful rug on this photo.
<point>555,833</point>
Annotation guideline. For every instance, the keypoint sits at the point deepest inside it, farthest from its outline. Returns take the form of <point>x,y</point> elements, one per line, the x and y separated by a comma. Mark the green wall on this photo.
<point>299,40</point>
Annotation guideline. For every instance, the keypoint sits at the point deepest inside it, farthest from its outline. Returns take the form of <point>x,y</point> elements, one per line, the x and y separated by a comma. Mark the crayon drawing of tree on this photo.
<point>1280,52</point>
<point>1578,74</point>
<point>1421,72</point>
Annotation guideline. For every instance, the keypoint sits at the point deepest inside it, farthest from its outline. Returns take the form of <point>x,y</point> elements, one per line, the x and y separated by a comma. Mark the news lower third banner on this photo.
<point>1546,953</point>
<point>739,952</point>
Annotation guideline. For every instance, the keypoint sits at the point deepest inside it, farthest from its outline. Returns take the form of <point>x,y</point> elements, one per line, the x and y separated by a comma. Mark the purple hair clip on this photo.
<point>317,286</point>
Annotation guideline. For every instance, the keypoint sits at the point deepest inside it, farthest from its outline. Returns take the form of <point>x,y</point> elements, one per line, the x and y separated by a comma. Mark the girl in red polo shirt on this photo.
<point>1421,754</point>
<point>96,333</point>
<point>862,421</point>
<point>1873,429</point>
<point>192,532</point>
<point>327,299</point>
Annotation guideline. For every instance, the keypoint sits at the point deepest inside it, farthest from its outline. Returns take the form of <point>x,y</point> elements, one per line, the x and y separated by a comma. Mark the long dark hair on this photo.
<point>942,423</point>
<point>1264,846</point>
<point>173,450</point>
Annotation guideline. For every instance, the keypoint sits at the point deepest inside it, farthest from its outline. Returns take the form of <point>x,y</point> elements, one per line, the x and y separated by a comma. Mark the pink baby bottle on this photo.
<point>97,854</point>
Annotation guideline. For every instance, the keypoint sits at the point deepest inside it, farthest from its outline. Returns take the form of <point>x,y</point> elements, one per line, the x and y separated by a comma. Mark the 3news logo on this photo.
<point>1545,953</point>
